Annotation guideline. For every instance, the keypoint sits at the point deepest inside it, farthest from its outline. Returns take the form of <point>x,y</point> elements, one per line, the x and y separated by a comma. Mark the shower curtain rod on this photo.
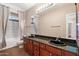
<point>3,5</point>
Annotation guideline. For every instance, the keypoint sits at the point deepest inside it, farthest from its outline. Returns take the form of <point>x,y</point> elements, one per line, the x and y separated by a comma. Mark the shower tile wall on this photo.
<point>12,29</point>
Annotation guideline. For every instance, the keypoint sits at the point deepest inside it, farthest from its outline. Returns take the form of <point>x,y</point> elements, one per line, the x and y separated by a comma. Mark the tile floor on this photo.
<point>15,51</point>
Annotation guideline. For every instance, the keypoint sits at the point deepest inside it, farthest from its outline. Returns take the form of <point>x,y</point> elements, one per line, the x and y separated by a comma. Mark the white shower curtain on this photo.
<point>21,24</point>
<point>4,13</point>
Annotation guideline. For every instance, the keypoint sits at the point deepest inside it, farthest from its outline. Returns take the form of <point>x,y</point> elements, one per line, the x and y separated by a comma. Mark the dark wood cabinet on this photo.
<point>43,46</point>
<point>26,42</point>
<point>28,46</point>
<point>44,52</point>
<point>66,53</point>
<point>35,43</point>
<point>40,49</point>
<point>36,53</point>
<point>35,48</point>
<point>54,51</point>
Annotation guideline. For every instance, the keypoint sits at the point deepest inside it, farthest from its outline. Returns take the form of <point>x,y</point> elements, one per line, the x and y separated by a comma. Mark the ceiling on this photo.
<point>26,6</point>
<point>20,6</point>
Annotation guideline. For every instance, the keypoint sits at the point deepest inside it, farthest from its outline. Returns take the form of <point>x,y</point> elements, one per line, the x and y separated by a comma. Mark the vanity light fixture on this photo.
<point>44,7</point>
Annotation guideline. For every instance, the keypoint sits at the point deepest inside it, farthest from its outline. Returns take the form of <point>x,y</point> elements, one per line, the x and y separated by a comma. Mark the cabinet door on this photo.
<point>29,46</point>
<point>54,51</point>
<point>36,53</point>
<point>57,52</point>
<point>26,42</point>
<point>36,43</point>
<point>66,53</point>
<point>44,52</point>
<point>43,46</point>
<point>35,48</point>
<point>24,45</point>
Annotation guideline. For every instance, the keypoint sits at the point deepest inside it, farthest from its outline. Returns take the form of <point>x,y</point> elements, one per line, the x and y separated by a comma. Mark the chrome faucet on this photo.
<point>57,39</point>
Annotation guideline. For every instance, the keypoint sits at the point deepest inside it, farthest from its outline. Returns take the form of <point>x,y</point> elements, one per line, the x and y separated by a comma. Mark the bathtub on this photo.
<point>10,42</point>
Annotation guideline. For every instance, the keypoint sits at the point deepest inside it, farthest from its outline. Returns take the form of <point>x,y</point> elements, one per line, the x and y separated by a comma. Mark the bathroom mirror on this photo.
<point>71,25</point>
<point>58,21</point>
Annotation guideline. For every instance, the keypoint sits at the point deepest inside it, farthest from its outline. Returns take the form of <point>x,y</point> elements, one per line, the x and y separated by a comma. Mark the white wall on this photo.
<point>56,16</point>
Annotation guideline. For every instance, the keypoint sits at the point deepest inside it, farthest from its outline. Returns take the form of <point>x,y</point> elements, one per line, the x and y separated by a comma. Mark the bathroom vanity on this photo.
<point>40,47</point>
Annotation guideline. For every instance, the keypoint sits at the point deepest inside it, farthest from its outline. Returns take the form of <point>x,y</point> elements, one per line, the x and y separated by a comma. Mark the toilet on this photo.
<point>20,44</point>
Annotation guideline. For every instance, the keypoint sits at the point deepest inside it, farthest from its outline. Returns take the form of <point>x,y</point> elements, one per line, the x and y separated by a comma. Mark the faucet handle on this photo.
<point>57,39</point>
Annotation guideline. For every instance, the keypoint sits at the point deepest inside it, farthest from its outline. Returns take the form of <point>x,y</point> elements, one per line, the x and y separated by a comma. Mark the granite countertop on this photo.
<point>67,47</point>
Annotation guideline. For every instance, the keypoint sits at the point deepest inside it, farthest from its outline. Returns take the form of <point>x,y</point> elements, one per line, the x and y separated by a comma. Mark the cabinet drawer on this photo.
<point>43,46</point>
<point>57,50</point>
<point>48,48</point>
<point>36,43</point>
